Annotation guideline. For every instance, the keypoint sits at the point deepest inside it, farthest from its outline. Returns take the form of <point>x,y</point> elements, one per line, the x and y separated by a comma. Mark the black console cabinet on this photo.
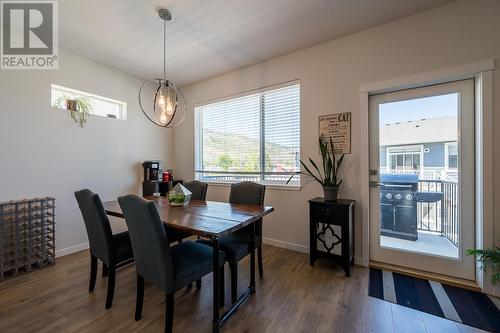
<point>331,231</point>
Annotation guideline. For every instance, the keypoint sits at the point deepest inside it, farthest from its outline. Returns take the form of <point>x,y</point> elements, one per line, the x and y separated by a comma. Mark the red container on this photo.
<point>166,176</point>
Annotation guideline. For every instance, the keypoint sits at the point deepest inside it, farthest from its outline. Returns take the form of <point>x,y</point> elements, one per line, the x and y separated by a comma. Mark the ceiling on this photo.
<point>208,38</point>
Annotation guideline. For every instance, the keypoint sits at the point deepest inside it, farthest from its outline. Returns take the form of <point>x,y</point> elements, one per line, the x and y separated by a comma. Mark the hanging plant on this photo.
<point>79,108</point>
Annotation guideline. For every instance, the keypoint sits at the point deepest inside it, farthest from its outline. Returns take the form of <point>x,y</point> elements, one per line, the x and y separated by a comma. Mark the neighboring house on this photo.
<point>427,147</point>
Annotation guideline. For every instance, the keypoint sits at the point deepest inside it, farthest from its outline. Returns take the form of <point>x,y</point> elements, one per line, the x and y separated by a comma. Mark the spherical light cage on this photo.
<point>162,102</point>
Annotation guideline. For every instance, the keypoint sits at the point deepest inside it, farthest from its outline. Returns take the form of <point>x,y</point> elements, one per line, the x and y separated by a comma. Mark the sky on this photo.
<point>415,109</point>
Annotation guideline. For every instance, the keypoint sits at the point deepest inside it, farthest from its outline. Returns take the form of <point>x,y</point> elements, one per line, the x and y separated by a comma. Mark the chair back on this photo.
<point>97,225</point>
<point>153,260</point>
<point>198,189</point>
<point>247,193</point>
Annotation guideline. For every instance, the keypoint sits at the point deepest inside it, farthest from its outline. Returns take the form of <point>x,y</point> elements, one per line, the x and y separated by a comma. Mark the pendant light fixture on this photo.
<point>160,99</point>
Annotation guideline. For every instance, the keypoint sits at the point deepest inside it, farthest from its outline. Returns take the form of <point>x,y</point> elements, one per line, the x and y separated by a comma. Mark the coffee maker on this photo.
<point>153,171</point>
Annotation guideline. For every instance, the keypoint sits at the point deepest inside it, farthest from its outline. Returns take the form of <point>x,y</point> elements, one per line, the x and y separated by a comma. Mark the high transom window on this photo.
<point>252,137</point>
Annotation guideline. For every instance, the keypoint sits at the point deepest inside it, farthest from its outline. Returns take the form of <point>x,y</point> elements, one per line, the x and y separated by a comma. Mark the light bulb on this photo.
<point>161,101</point>
<point>163,118</point>
<point>169,107</point>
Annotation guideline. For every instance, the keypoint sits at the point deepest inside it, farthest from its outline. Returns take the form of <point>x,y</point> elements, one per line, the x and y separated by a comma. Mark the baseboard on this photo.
<point>286,245</point>
<point>298,247</point>
<point>72,249</point>
<point>359,261</point>
<point>266,240</point>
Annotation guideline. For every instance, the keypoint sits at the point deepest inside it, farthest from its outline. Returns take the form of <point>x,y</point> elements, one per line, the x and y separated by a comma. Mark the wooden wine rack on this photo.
<point>27,236</point>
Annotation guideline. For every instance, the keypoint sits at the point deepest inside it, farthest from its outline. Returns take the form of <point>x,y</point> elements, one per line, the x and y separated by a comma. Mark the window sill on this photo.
<point>268,186</point>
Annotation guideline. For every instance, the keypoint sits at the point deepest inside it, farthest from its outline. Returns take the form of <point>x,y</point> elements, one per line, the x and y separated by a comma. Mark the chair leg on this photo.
<point>104,270</point>
<point>140,297</point>
<point>93,272</point>
<point>169,312</point>
<point>198,283</point>
<point>234,282</point>
<point>259,258</point>
<point>221,287</point>
<point>111,286</point>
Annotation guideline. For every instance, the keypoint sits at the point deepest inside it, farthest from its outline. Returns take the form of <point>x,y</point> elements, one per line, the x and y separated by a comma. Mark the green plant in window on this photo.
<point>490,261</point>
<point>225,162</point>
<point>79,108</point>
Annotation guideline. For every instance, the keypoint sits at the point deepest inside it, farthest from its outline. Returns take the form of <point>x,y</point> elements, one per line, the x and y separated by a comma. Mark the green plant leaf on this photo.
<point>490,261</point>
<point>310,173</point>
<point>339,162</point>
<point>315,166</point>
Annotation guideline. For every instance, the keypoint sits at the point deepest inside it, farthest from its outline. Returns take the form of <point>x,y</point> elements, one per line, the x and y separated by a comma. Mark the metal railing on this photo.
<point>442,216</point>
<point>279,178</point>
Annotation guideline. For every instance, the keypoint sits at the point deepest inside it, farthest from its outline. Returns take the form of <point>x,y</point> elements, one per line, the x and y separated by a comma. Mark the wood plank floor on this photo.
<point>292,297</point>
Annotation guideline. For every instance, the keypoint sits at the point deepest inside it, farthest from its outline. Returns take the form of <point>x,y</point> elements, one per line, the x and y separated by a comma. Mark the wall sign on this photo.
<point>338,128</point>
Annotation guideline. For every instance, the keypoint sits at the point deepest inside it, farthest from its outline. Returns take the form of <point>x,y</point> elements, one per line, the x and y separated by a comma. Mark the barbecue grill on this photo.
<point>398,205</point>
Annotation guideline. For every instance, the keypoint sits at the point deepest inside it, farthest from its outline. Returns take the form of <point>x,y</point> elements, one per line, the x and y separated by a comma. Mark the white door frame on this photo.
<point>482,72</point>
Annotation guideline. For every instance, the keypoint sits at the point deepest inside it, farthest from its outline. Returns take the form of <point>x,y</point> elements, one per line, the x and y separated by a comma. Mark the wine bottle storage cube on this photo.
<point>27,236</point>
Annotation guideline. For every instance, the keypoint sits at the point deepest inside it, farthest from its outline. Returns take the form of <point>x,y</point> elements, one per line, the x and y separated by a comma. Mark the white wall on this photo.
<point>460,33</point>
<point>44,153</point>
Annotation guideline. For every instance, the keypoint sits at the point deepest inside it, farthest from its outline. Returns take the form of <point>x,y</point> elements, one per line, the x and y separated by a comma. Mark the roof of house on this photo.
<point>439,129</point>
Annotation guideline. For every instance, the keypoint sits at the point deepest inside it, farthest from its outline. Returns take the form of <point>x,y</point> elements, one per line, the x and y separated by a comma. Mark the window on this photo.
<point>103,106</point>
<point>405,159</point>
<point>451,155</point>
<point>253,137</point>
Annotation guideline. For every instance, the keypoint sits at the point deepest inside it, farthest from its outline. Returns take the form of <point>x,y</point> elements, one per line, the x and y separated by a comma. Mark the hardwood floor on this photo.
<point>292,297</point>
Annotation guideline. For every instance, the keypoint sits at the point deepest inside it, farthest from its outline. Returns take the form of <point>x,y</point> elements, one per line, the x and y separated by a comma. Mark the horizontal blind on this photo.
<point>254,137</point>
<point>281,109</point>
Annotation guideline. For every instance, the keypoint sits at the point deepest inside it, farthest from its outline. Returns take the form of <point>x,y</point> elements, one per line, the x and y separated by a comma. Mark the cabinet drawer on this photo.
<point>329,214</point>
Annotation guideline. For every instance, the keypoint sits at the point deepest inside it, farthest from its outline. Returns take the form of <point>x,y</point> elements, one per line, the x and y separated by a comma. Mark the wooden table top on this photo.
<point>202,218</point>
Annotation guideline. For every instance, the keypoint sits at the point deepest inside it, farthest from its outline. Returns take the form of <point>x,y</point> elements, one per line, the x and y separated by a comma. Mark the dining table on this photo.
<point>210,220</point>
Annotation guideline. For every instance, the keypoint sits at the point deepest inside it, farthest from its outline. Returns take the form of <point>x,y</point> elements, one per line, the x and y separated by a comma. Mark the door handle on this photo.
<point>374,183</point>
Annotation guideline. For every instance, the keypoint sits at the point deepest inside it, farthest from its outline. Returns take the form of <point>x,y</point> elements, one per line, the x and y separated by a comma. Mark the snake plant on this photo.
<point>329,174</point>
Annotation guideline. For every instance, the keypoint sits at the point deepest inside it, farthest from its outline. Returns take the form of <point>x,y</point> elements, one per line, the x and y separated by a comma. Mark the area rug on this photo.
<point>461,305</point>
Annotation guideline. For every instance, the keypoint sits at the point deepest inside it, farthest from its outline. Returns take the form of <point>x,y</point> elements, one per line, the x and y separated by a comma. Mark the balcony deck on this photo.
<point>427,243</point>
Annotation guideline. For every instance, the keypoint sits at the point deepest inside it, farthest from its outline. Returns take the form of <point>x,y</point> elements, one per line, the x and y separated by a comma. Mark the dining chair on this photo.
<point>198,189</point>
<point>113,250</point>
<point>198,192</point>
<point>236,246</point>
<point>168,267</point>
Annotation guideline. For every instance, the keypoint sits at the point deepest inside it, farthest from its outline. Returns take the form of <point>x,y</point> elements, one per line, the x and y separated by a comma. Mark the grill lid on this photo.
<point>396,178</point>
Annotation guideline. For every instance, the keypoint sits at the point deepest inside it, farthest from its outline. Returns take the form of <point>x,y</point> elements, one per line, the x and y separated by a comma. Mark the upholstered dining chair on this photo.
<point>168,267</point>
<point>113,250</point>
<point>199,192</point>
<point>198,189</point>
<point>236,246</point>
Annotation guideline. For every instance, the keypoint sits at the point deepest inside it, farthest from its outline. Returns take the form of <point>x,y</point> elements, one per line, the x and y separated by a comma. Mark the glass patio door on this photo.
<point>422,178</point>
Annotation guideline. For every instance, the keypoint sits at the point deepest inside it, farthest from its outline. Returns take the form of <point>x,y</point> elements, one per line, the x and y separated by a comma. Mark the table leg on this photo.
<point>252,258</point>
<point>216,322</point>
<point>251,288</point>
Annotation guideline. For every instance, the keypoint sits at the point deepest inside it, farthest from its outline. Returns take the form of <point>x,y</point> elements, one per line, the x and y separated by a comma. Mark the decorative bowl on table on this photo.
<point>179,196</point>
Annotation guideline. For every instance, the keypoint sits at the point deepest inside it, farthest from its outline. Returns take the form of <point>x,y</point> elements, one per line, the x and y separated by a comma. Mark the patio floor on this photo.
<point>427,242</point>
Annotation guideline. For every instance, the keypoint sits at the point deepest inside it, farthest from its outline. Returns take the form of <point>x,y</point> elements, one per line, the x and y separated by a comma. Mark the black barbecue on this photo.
<point>398,205</point>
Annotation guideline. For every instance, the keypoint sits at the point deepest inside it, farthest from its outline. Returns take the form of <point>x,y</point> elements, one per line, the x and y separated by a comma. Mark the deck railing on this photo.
<point>442,216</point>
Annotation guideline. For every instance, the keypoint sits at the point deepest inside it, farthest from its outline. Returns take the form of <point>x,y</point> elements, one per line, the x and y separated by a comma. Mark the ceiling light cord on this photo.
<point>164,50</point>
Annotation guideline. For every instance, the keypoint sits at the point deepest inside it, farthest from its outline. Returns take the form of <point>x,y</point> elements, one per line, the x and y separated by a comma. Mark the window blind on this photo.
<point>253,137</point>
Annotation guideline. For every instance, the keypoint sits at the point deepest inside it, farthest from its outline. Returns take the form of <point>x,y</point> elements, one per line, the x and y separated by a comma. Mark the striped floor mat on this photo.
<point>461,305</point>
